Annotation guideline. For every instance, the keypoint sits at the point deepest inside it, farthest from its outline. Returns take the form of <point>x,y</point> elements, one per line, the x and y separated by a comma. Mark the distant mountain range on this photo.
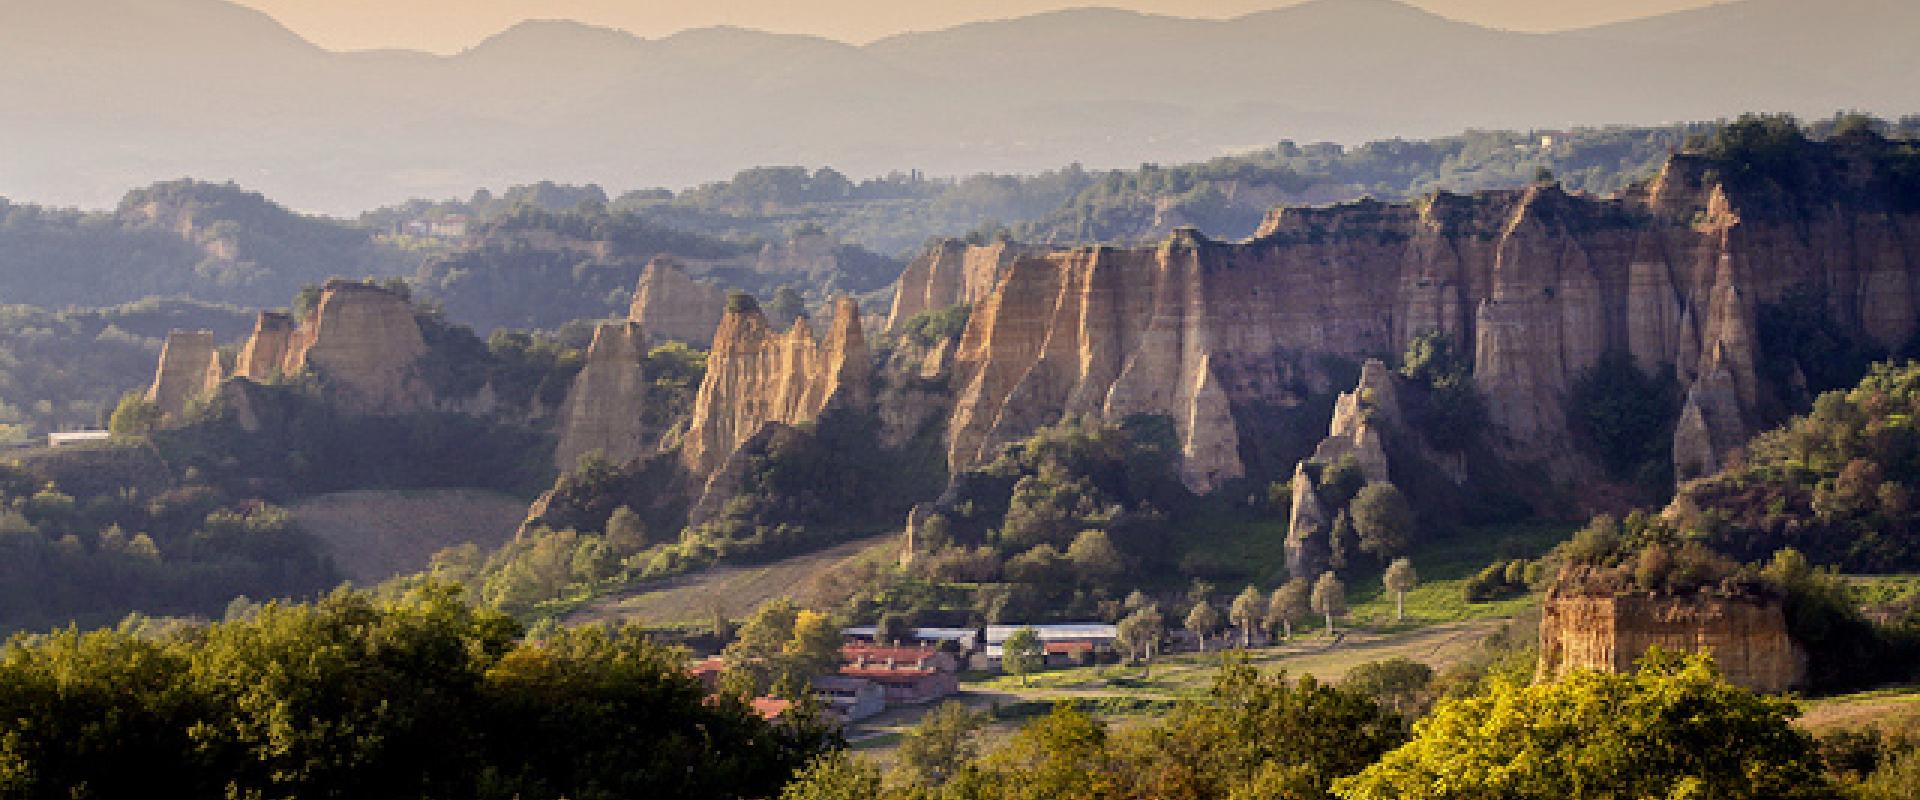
<point>97,95</point>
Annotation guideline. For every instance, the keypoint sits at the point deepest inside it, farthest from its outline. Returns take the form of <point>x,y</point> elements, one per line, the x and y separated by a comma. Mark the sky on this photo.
<point>447,26</point>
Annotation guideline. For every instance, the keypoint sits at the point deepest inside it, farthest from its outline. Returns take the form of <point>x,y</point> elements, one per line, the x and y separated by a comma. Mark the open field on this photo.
<point>375,535</point>
<point>1891,710</point>
<point>735,590</point>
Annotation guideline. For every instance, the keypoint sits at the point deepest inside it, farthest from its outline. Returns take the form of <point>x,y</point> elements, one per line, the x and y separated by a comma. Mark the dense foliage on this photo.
<point>65,369</point>
<point>1624,417</point>
<point>1836,484</point>
<point>90,535</point>
<point>421,697</point>
<point>1672,729</point>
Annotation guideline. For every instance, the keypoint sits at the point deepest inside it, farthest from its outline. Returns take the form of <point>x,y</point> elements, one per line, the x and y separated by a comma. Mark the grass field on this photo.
<point>688,600</point>
<point>375,535</point>
<point>1891,710</point>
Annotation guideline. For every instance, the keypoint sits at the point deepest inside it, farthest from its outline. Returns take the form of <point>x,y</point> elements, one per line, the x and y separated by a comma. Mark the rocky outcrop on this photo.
<point>604,409</point>
<point>670,305</point>
<point>1536,283</point>
<point>757,376</point>
<point>364,345</point>
<point>1362,419</point>
<point>264,357</point>
<point>1747,636</point>
<point>951,272</point>
<point>189,369</point>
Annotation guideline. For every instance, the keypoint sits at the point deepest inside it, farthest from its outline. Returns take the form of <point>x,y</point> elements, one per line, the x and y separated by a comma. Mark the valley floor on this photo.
<point>375,534</point>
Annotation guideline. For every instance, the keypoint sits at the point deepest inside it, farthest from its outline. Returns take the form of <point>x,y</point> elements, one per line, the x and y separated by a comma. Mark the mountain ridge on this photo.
<point>339,132</point>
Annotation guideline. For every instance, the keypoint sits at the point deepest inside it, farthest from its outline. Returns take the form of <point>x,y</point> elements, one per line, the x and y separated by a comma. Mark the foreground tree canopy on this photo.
<point>422,697</point>
<point>1672,730</point>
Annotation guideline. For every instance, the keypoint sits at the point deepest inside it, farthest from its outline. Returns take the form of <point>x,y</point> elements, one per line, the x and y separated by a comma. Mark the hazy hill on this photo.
<point>213,242</point>
<point>101,94</point>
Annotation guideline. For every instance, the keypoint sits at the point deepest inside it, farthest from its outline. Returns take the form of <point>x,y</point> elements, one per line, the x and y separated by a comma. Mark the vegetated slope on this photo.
<point>64,369</point>
<point>373,535</point>
<point>733,590</point>
<point>213,90</point>
<point>212,242</point>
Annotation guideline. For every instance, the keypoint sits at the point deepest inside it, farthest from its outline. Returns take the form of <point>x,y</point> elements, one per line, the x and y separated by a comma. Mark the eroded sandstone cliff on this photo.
<point>604,409</point>
<point>1747,637</point>
<point>951,272</point>
<point>189,369</point>
<point>1538,283</point>
<point>360,342</point>
<point>756,375</point>
<point>670,305</point>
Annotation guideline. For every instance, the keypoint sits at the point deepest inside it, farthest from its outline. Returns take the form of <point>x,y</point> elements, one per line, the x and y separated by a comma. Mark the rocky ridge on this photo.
<point>1538,281</point>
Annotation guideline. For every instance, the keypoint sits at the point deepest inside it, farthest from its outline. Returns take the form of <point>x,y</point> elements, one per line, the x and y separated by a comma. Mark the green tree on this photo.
<point>1290,603</point>
<point>1400,579</point>
<point>626,533</point>
<point>134,416</point>
<point>836,775</point>
<point>814,648</point>
<point>1383,519</point>
<point>1329,598</point>
<point>1095,558</point>
<point>1140,633</point>
<point>1203,621</point>
<point>1397,683</point>
<point>936,749</point>
<point>1022,653</point>
<point>1597,735</point>
<point>1246,613</point>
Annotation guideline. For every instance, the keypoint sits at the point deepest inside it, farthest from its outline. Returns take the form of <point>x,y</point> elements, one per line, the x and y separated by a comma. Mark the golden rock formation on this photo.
<point>670,305</point>
<point>604,409</point>
<point>1536,283</point>
<point>757,376</point>
<point>1747,637</point>
<point>189,369</point>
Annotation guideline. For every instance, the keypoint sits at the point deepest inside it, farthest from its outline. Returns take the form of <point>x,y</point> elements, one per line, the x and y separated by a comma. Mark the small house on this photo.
<point>850,699</point>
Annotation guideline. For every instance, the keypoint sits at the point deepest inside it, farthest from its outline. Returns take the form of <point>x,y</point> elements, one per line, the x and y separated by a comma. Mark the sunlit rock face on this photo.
<point>1536,283</point>
<point>670,305</point>
<point>1747,637</point>
<point>756,375</point>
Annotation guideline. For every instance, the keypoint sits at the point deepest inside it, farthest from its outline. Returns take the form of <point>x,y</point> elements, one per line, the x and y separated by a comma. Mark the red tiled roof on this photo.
<point>1068,647</point>
<point>875,652</point>
<point>708,666</point>
<point>771,707</point>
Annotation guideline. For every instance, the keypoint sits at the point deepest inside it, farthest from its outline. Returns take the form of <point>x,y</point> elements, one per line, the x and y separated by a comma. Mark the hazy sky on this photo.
<point>450,25</point>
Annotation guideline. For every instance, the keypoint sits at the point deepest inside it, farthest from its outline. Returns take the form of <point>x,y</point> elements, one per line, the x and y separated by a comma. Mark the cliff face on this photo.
<point>1539,283</point>
<point>363,343</point>
<point>1748,638</point>
<point>264,356</point>
<point>603,410</point>
<point>189,369</point>
<point>670,304</point>
<point>949,273</point>
<point>756,375</point>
